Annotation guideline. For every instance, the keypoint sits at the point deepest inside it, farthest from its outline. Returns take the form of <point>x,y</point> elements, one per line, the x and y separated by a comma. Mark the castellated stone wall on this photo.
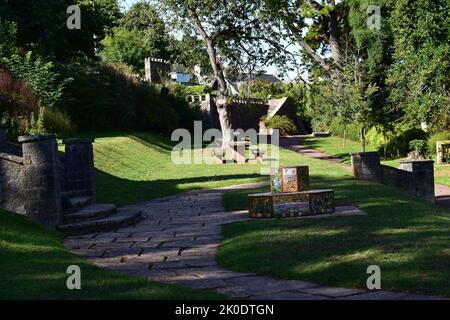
<point>37,180</point>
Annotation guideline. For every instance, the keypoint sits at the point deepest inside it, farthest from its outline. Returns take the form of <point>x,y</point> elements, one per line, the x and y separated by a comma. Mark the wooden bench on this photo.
<point>291,204</point>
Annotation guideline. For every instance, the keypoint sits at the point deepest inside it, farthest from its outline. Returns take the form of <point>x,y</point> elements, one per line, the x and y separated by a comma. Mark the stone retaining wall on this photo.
<point>414,176</point>
<point>37,180</point>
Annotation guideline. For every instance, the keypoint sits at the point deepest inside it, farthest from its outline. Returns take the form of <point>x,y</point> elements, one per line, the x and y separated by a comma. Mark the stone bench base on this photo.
<point>293,204</point>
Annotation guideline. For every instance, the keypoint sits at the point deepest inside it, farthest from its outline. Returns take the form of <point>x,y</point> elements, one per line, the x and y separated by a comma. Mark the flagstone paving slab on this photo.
<point>177,241</point>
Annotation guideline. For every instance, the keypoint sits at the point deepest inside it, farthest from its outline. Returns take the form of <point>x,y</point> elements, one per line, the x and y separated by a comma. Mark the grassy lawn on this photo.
<point>406,237</point>
<point>132,167</point>
<point>33,265</point>
<point>137,167</point>
<point>334,146</point>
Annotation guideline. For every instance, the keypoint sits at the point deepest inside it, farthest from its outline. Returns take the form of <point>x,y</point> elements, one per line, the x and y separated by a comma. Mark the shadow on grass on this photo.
<point>406,237</point>
<point>123,191</point>
<point>33,265</point>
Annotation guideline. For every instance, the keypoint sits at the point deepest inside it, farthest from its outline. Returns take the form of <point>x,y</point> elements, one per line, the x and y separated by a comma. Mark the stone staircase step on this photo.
<point>122,218</point>
<point>72,204</point>
<point>92,211</point>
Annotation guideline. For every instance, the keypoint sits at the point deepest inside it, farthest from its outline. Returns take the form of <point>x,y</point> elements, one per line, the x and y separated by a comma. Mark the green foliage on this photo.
<point>394,143</point>
<point>264,89</point>
<point>8,31</point>
<point>440,136</point>
<point>420,75</point>
<point>108,97</point>
<point>58,122</point>
<point>141,34</point>
<point>190,51</point>
<point>40,75</point>
<point>351,131</point>
<point>41,25</point>
<point>282,123</point>
<point>419,146</point>
<point>196,89</point>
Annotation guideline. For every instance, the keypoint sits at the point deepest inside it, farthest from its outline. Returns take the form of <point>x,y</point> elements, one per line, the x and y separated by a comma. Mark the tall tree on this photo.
<point>41,25</point>
<point>141,34</point>
<point>420,75</point>
<point>232,30</point>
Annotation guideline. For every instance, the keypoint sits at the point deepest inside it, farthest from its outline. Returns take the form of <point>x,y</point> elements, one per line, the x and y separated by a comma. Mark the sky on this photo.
<point>269,69</point>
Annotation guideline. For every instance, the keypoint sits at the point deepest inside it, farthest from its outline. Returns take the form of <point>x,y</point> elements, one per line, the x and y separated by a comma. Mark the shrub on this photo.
<point>282,123</point>
<point>105,97</point>
<point>58,122</point>
<point>419,146</point>
<point>40,75</point>
<point>352,131</point>
<point>440,136</point>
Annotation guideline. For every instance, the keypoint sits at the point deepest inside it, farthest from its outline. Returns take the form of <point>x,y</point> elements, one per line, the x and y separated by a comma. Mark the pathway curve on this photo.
<point>177,242</point>
<point>442,192</point>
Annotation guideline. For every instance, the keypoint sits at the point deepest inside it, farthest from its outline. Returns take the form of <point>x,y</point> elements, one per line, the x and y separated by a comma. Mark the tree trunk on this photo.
<point>333,30</point>
<point>221,100</point>
<point>363,139</point>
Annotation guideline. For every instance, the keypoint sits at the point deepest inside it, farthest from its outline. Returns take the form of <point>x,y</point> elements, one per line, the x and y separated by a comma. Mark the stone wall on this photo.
<point>246,113</point>
<point>156,70</point>
<point>37,180</point>
<point>414,176</point>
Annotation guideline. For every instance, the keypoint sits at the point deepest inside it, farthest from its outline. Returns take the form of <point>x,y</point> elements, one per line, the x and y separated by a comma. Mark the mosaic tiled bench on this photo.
<point>291,204</point>
<point>290,196</point>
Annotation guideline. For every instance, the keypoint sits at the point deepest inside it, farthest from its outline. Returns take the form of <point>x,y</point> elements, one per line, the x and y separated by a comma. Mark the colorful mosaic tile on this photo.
<point>293,204</point>
<point>289,179</point>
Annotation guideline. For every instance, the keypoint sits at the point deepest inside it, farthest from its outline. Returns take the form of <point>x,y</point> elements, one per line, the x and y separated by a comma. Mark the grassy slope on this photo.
<point>138,167</point>
<point>33,265</point>
<point>406,237</point>
<point>334,146</point>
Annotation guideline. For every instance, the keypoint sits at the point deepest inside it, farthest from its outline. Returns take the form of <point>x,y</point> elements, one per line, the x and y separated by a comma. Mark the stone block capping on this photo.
<point>414,176</point>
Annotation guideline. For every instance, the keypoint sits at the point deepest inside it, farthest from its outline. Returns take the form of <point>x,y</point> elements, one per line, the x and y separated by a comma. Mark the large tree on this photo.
<point>233,31</point>
<point>140,34</point>
<point>41,25</point>
<point>420,75</point>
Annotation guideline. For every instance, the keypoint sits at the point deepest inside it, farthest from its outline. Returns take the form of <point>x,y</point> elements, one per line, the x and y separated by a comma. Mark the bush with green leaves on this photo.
<point>282,123</point>
<point>351,131</point>
<point>47,84</point>
<point>106,97</point>
<point>418,146</point>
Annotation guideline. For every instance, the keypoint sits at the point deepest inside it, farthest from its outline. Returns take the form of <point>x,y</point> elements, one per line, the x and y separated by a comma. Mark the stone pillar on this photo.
<point>367,166</point>
<point>41,183</point>
<point>3,135</point>
<point>80,173</point>
<point>423,171</point>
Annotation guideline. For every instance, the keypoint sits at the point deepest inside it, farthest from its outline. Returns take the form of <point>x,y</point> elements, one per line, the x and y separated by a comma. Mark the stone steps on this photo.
<point>76,203</point>
<point>91,211</point>
<point>122,218</point>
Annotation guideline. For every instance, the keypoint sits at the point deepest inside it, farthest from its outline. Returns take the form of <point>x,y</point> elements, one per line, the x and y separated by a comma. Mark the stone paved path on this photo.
<point>442,192</point>
<point>177,242</point>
